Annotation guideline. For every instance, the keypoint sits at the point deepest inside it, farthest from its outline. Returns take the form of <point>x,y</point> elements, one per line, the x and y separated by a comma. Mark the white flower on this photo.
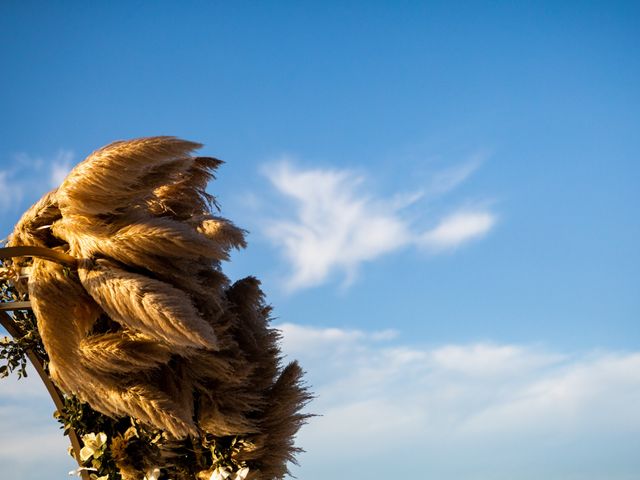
<point>242,473</point>
<point>78,471</point>
<point>152,474</point>
<point>93,445</point>
<point>220,473</point>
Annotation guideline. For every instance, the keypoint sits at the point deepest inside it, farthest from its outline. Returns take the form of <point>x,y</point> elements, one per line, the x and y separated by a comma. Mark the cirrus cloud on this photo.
<point>336,225</point>
<point>466,411</point>
<point>26,177</point>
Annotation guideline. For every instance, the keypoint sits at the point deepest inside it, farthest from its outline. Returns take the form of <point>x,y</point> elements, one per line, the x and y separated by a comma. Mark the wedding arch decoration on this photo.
<point>159,367</point>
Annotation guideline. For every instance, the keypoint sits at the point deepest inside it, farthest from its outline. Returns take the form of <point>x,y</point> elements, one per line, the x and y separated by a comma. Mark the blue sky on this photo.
<point>441,200</point>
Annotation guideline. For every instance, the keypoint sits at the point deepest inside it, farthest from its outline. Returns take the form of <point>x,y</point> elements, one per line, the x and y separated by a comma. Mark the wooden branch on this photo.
<point>41,252</point>
<point>15,306</point>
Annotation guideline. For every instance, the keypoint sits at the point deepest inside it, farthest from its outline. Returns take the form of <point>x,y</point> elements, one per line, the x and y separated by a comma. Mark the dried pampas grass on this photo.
<point>149,326</point>
<point>146,305</point>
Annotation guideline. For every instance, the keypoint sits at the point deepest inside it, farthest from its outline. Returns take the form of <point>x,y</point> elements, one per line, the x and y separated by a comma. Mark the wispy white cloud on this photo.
<point>457,229</point>
<point>60,167</point>
<point>337,225</point>
<point>25,178</point>
<point>473,405</point>
<point>11,192</point>
<point>450,178</point>
<point>31,440</point>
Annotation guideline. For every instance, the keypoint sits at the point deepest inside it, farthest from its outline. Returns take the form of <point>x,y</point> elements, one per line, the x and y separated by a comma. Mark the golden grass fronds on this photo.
<point>123,352</point>
<point>33,227</point>
<point>146,305</point>
<point>149,326</point>
<point>120,174</point>
<point>65,314</point>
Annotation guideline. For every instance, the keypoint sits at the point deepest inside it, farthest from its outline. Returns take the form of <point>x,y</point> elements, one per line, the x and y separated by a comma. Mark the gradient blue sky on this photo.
<point>442,203</point>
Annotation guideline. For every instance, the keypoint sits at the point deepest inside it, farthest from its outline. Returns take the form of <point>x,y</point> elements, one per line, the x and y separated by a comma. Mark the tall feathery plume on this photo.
<point>148,326</point>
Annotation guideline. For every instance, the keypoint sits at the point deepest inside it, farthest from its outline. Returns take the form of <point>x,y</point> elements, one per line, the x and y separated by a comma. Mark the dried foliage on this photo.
<point>154,348</point>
